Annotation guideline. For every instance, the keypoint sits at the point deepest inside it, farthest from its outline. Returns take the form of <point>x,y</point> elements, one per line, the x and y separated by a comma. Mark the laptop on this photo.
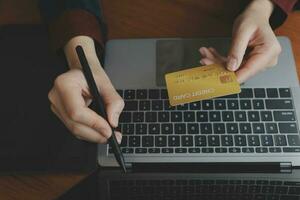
<point>259,125</point>
<point>112,185</point>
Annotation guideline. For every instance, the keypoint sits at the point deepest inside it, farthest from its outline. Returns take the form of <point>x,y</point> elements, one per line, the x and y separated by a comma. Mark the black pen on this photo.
<point>99,105</point>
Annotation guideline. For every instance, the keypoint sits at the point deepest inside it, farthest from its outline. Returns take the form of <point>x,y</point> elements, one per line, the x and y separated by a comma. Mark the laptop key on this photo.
<point>134,141</point>
<point>124,142</point>
<point>144,105</point>
<point>180,150</point>
<point>153,150</point>
<point>164,94</point>
<point>233,104</point>
<point>215,116</point>
<point>271,128</point>
<point>154,129</point>
<point>259,92</point>
<point>284,92</point>
<point>266,140</point>
<point>213,140</point>
<point>232,128</point>
<point>202,116</point>
<point>245,128</point>
<point>279,104</point>
<point>141,129</point>
<point>195,105</point>
<point>193,128</point>
<point>154,94</point>
<point>167,128</point>
<point>157,105</point>
<point>176,116</point>
<point>258,128</point>
<point>207,150</point>
<point>167,150</point>
<point>293,140</point>
<point>127,129</point>
<point>266,116</point>
<point>151,116</point>
<point>187,141</point>
<point>221,150</point>
<point>207,105</point>
<point>180,128</point>
<point>141,150</point>
<point>272,92</point>
<point>284,116</point>
<point>220,104</point>
<point>234,150</point>
<point>129,94</point>
<point>189,116</point>
<point>275,149</point>
<point>163,116</point>
<point>291,149</point>
<point>253,140</point>
<point>287,127</point>
<point>253,116</point>
<point>280,140</point>
<point>245,104</point>
<point>258,104</point>
<point>227,140</point>
<point>194,150</point>
<point>281,190</point>
<point>141,94</point>
<point>147,141</point>
<point>200,140</point>
<point>127,150</point>
<point>219,128</point>
<point>167,105</point>
<point>206,128</point>
<point>138,116</point>
<point>248,150</point>
<point>240,116</point>
<point>125,117</point>
<point>160,141</point>
<point>240,140</point>
<point>173,141</point>
<point>182,107</point>
<point>227,116</point>
<point>261,150</point>
<point>246,93</point>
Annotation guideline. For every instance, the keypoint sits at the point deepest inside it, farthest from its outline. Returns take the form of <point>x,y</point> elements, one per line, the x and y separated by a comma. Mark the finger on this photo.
<point>72,102</point>
<point>205,53</point>
<point>114,108</point>
<point>118,136</point>
<point>240,40</point>
<point>207,61</point>
<point>82,132</point>
<point>252,66</point>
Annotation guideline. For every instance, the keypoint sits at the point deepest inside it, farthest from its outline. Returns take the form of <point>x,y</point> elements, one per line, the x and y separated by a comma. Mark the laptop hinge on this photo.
<point>286,167</point>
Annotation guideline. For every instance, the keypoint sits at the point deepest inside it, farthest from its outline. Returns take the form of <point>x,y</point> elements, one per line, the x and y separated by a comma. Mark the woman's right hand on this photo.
<point>70,98</point>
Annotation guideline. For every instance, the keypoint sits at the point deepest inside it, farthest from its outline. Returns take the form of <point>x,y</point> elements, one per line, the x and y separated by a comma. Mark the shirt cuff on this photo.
<point>281,10</point>
<point>73,23</point>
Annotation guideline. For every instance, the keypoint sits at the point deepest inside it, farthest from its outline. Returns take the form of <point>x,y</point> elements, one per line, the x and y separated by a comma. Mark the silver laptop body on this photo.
<point>133,64</point>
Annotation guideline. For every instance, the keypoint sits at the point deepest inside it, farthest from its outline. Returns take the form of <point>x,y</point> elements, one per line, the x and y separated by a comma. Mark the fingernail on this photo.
<point>119,138</point>
<point>232,64</point>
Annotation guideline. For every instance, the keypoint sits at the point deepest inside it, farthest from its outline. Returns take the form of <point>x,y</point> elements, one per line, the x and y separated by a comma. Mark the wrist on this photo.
<point>260,8</point>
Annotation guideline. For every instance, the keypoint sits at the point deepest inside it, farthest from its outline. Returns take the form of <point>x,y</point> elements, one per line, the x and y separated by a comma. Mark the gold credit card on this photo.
<point>200,83</point>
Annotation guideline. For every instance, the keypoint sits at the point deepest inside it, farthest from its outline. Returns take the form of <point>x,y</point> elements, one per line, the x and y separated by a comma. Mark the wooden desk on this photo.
<point>48,186</point>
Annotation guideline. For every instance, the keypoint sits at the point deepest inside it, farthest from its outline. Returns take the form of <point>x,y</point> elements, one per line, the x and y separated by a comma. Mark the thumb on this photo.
<point>239,44</point>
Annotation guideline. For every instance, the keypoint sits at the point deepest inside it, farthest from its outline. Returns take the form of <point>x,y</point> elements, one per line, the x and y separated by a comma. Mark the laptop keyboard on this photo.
<point>258,120</point>
<point>210,189</point>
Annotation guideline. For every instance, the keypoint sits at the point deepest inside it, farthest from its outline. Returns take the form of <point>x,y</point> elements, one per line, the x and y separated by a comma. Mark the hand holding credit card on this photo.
<point>200,83</point>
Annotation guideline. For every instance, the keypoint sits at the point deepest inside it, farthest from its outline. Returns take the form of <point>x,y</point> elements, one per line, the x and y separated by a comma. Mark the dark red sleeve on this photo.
<point>74,23</point>
<point>281,10</point>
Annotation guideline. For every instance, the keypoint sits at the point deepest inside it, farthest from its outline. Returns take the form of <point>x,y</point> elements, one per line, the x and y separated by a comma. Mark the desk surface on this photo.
<point>49,186</point>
